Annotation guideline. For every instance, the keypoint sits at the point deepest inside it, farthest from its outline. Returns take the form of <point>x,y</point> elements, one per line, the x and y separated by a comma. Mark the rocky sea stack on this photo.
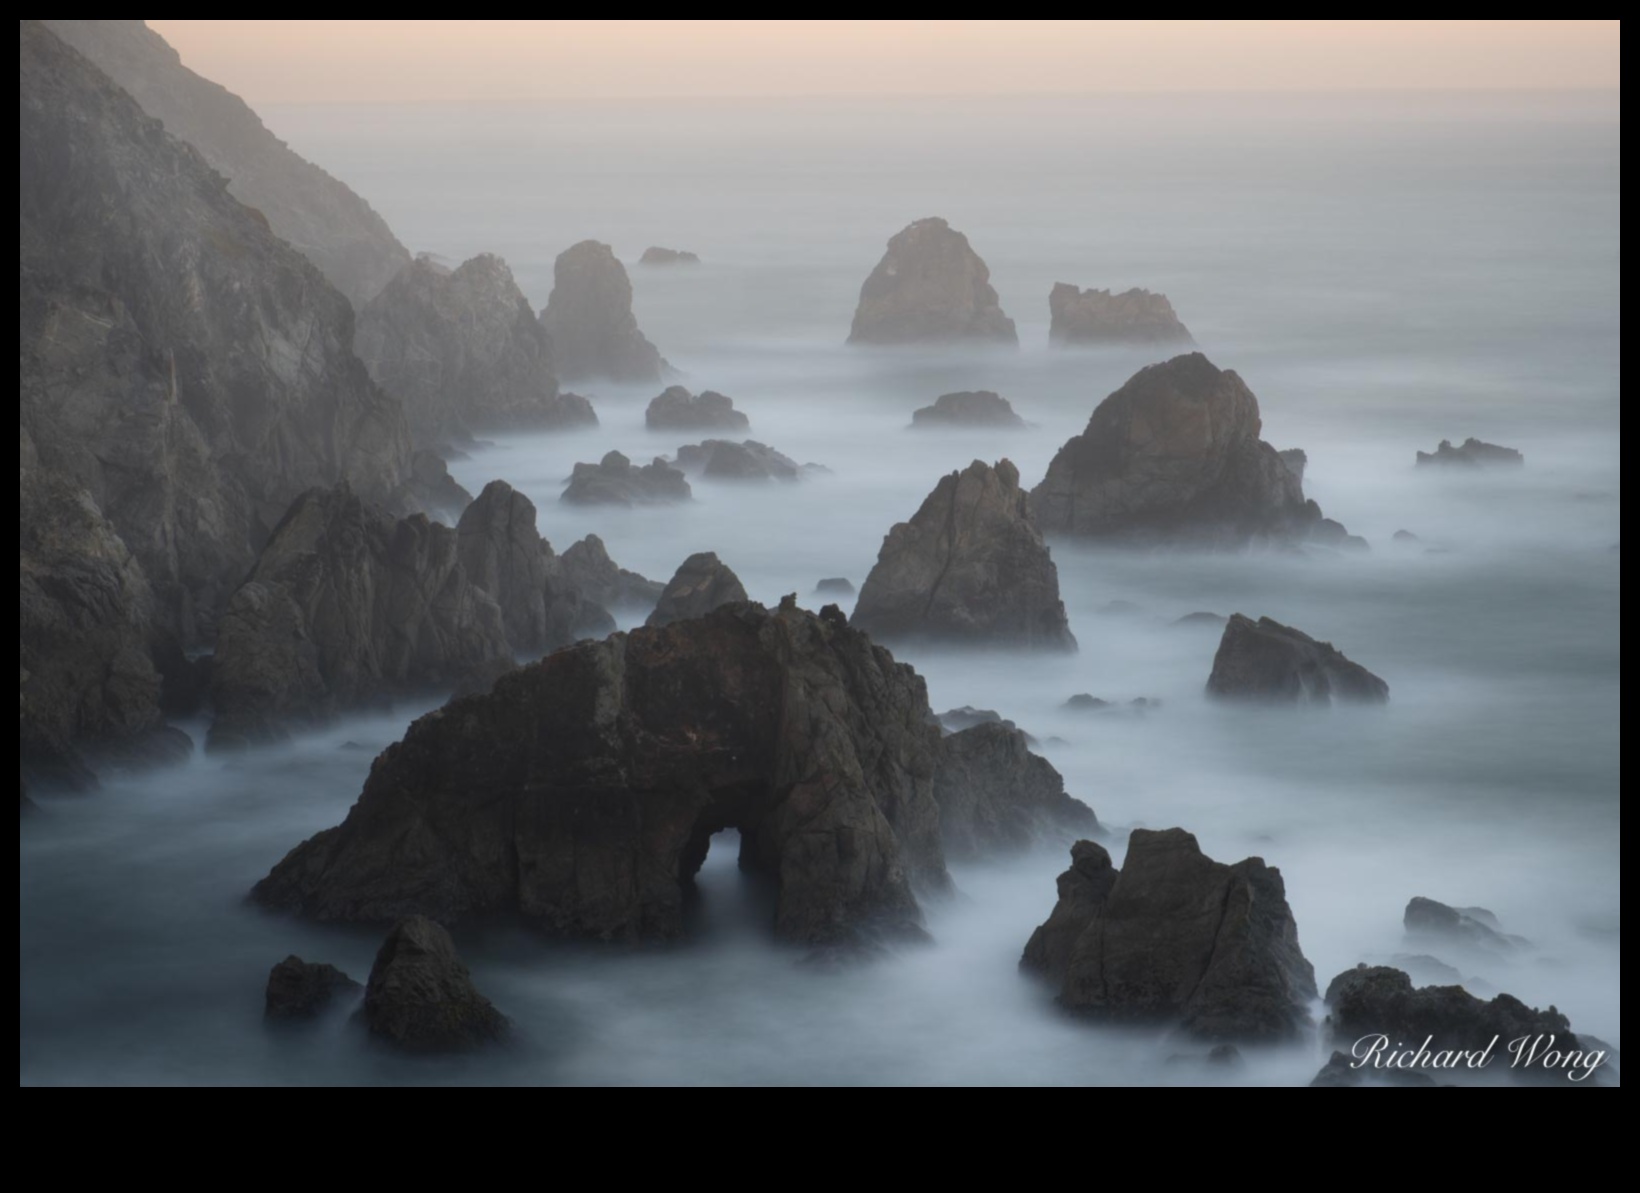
<point>931,288</point>
<point>594,333</point>
<point>703,584</point>
<point>1269,663</point>
<point>679,410</point>
<point>1175,939</point>
<point>1099,317</point>
<point>982,410</point>
<point>422,1000</point>
<point>615,480</point>
<point>997,797</point>
<point>659,258</point>
<point>1175,456</point>
<point>1472,455</point>
<point>969,569</point>
<point>465,353</point>
<point>720,460</point>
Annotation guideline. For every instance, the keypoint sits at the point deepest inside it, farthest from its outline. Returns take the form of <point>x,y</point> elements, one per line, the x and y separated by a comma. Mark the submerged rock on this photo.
<point>931,287</point>
<point>594,333</point>
<point>970,568</point>
<point>679,410</point>
<point>299,991</point>
<point>702,585</point>
<point>1471,928</point>
<point>835,587</point>
<point>583,793</point>
<point>616,481</point>
<point>421,998</point>
<point>1175,456</point>
<point>662,258</point>
<point>592,573</point>
<point>987,410</point>
<point>1082,317</point>
<point>465,353</point>
<point>996,796</point>
<point>719,460</point>
<point>1271,663</point>
<point>1215,621</point>
<point>1176,938</point>
<point>1473,454</point>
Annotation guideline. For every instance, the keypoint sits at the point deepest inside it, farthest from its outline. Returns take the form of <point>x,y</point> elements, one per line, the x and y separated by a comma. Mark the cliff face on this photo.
<point>333,227</point>
<point>188,369</point>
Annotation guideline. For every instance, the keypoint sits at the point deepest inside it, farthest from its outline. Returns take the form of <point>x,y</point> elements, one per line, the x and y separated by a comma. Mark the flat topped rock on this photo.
<point>595,335</point>
<point>984,410</point>
<point>679,410</point>
<point>1091,317</point>
<point>1472,455</point>
<point>663,258</point>
<point>931,287</point>
<point>615,480</point>
<point>1266,662</point>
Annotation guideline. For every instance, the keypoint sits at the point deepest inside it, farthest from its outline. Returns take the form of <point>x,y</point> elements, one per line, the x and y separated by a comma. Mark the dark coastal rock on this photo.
<point>1176,938</point>
<point>1088,703</point>
<point>1298,463</point>
<point>1093,317</point>
<point>304,206</point>
<point>1472,455</point>
<point>592,573</point>
<point>1270,663</point>
<point>960,720</point>
<point>583,793</point>
<point>969,569</point>
<point>465,353</point>
<point>930,288</point>
<point>1471,928</point>
<point>616,481</point>
<point>1342,1072</point>
<point>1175,457</point>
<point>179,362</point>
<point>835,587</point>
<point>996,796</point>
<point>679,410</point>
<point>298,991</point>
<point>719,460</point>
<point>660,258</point>
<point>346,609</point>
<point>421,998</point>
<point>702,585</point>
<point>594,333</point>
<point>983,410</point>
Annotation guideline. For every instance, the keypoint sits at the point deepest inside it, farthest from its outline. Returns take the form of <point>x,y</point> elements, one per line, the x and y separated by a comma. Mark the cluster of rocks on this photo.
<point>1472,455</point>
<point>661,258</point>
<point>1099,317</point>
<point>931,287</point>
<point>616,480</point>
<point>983,410</point>
<point>1266,662</point>
<point>721,460</point>
<point>595,335</point>
<point>679,410</point>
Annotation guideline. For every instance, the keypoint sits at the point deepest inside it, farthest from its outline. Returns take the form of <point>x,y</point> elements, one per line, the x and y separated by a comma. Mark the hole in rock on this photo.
<point>729,896</point>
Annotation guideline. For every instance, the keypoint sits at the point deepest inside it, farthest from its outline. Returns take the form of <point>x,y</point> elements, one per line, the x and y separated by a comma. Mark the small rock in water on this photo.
<point>985,409</point>
<point>663,258</point>
<point>617,481</point>
<point>298,991</point>
<point>1086,703</point>
<point>1271,663</point>
<point>421,998</point>
<point>837,587</point>
<point>1205,620</point>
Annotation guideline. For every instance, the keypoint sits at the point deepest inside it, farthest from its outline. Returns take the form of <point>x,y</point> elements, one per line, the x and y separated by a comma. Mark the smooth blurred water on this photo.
<point>1386,272</point>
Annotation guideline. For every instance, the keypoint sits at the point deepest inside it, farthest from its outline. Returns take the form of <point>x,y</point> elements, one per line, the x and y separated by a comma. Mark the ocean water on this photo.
<point>1385,272</point>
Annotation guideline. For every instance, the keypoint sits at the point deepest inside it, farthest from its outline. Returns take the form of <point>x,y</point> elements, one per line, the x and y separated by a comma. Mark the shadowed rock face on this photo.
<point>1091,317</point>
<point>931,287</point>
<point>1175,456</point>
<point>464,352</point>
<point>1298,463</point>
<point>186,367</point>
<point>1472,455</point>
<point>422,1000</point>
<point>333,227</point>
<point>595,335</point>
<point>969,410</point>
<point>995,796</point>
<point>719,460</point>
<point>1176,938</point>
<point>583,792</point>
<point>679,410</point>
<point>970,568</point>
<point>1265,662</point>
<point>1468,928</point>
<point>298,991</point>
<point>702,585</point>
<point>616,481</point>
<point>597,577</point>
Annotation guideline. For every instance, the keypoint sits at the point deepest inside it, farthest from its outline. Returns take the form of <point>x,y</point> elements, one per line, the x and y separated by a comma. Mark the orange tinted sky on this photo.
<point>494,60</point>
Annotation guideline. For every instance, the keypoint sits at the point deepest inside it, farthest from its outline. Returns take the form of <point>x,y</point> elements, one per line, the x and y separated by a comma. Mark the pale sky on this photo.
<point>392,61</point>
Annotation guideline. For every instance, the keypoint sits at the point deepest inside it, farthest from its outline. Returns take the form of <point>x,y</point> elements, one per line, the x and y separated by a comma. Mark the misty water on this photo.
<point>1384,272</point>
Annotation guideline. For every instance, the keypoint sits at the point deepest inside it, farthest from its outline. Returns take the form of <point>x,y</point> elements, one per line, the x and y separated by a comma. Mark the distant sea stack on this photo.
<point>465,353</point>
<point>931,288</point>
<point>329,224</point>
<point>703,584</point>
<point>1269,663</point>
<point>1099,317</point>
<point>985,410</point>
<point>659,258</point>
<point>1175,457</point>
<point>615,480</point>
<point>968,569</point>
<point>679,410</point>
<point>1473,455</point>
<point>595,335</point>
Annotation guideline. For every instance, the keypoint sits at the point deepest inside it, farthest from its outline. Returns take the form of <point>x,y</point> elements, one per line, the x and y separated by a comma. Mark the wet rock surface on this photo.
<point>720,460</point>
<point>660,258</point>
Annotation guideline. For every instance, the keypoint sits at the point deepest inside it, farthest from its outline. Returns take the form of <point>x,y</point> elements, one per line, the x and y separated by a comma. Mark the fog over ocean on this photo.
<point>1385,272</point>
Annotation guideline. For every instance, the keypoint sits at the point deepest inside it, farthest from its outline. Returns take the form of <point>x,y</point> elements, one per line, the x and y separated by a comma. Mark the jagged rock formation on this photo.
<point>176,359</point>
<point>931,287</point>
<point>327,222</point>
<point>615,481</point>
<point>597,577</point>
<point>435,490</point>
<point>1085,317</point>
<point>1175,456</point>
<point>679,410</point>
<point>594,333</point>
<point>996,796</point>
<point>1472,455</point>
<point>582,794</point>
<point>1175,938</point>
<point>720,460</point>
<point>703,584</point>
<point>298,991</point>
<point>465,353</point>
<point>660,258</point>
<point>987,410</point>
<point>1298,463</point>
<point>1468,928</point>
<point>421,998</point>
<point>970,568</point>
<point>1270,663</point>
